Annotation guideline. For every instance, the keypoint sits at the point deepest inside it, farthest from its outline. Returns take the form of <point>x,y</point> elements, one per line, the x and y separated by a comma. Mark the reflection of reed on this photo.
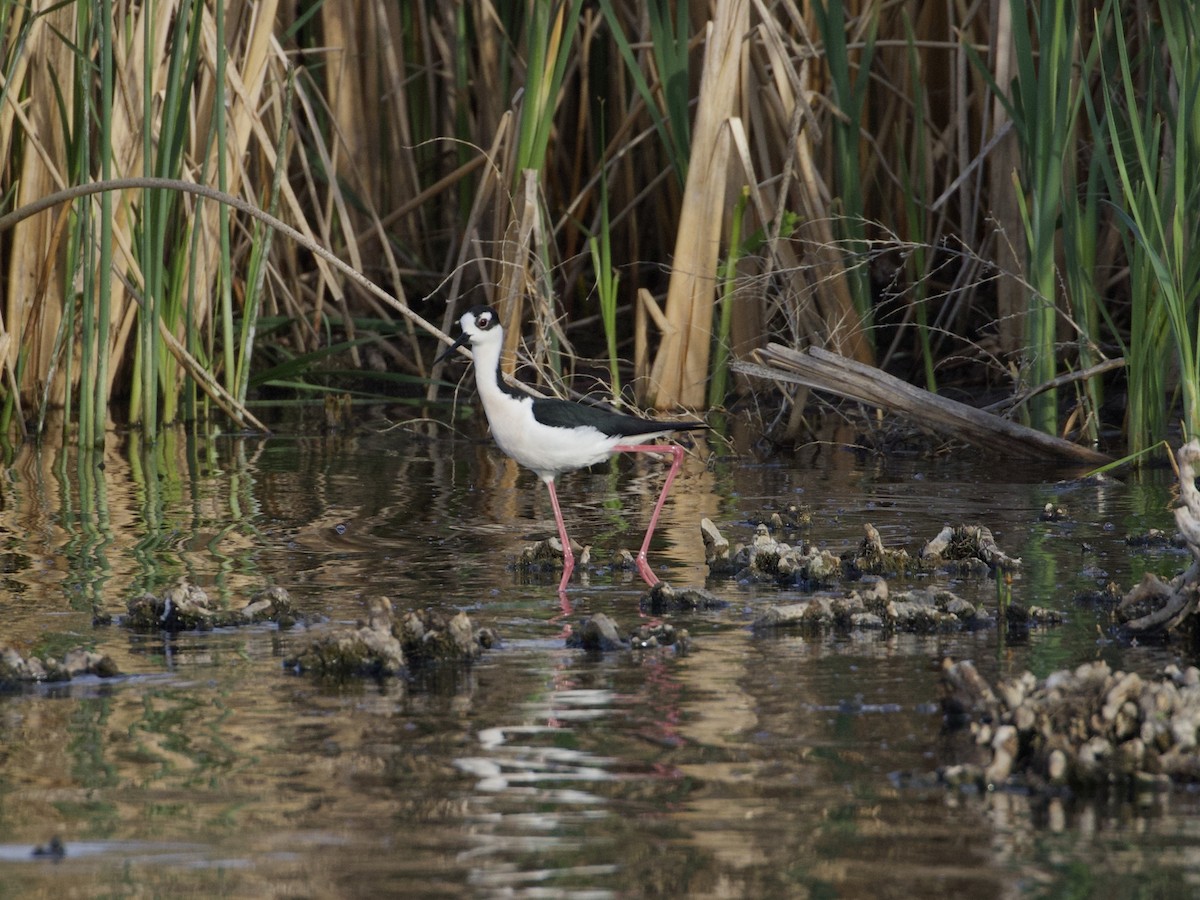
<point>134,517</point>
<point>93,527</point>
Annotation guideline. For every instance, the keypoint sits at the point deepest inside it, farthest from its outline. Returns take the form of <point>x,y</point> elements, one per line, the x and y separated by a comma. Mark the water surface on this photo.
<point>758,765</point>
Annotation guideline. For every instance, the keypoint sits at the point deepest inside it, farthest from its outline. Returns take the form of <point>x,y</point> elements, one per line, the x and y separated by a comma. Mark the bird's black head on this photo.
<point>484,318</point>
<point>475,322</point>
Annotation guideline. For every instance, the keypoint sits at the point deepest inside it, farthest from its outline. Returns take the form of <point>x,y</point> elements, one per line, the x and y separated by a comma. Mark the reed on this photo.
<point>258,262</point>
<point>680,370</point>
<point>913,155</point>
<point>849,83</point>
<point>668,101</point>
<point>607,280</point>
<point>1044,101</point>
<point>1155,152</point>
<point>1083,241</point>
<point>718,385</point>
<point>453,152</point>
<point>135,266</point>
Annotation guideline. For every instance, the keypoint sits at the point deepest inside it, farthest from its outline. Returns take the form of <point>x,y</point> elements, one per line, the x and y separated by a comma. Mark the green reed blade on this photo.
<point>849,95</point>
<point>104,269</point>
<point>671,56</point>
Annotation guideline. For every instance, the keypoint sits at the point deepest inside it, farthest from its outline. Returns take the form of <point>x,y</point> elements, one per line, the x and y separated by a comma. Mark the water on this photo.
<point>759,765</point>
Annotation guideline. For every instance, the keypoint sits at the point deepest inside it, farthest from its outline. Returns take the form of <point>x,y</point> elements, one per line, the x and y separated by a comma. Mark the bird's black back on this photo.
<point>567,414</point>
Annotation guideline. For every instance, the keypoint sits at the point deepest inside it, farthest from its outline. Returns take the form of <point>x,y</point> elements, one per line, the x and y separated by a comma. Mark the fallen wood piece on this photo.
<point>825,371</point>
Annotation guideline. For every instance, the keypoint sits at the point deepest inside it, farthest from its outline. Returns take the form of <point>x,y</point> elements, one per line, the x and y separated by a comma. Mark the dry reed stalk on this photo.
<point>370,103</point>
<point>348,94</point>
<point>1003,209</point>
<point>471,253</point>
<point>247,77</point>
<point>819,369</point>
<point>490,107</point>
<point>818,273</point>
<point>515,278</point>
<point>36,284</point>
<point>295,208</point>
<point>747,322</point>
<point>680,371</point>
<point>641,340</point>
<point>398,170</point>
<point>491,186</point>
<point>331,215</point>
<point>9,109</point>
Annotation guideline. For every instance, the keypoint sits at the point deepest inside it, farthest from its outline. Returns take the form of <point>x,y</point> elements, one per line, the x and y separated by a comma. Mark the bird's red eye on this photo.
<point>484,321</point>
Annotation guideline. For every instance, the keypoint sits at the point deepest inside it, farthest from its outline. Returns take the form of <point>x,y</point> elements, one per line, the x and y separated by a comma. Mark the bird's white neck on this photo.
<point>486,358</point>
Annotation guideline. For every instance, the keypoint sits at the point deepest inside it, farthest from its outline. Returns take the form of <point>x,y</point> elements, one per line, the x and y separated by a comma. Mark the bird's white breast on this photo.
<point>546,450</point>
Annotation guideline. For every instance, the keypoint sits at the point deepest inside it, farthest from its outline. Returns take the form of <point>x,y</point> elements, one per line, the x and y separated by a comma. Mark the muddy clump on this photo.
<point>792,517</point>
<point>385,646</point>
<point>662,634</point>
<point>662,599</point>
<point>597,633</point>
<point>766,559</point>
<point>547,556</point>
<point>961,550</point>
<point>966,550</point>
<point>186,607</point>
<point>876,608</point>
<point>1052,513</point>
<point>1088,729</point>
<point>16,669</point>
<point>1155,538</point>
<point>600,634</point>
<point>871,557</point>
<point>431,637</point>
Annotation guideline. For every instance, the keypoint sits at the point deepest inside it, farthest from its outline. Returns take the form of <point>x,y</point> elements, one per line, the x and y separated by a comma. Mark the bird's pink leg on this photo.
<point>568,554</point>
<point>677,458</point>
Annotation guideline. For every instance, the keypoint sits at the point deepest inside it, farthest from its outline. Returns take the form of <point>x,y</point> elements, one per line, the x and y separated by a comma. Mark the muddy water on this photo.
<point>759,765</point>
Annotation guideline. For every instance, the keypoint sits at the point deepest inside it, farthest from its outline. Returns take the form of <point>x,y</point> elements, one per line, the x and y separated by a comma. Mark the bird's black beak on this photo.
<point>462,339</point>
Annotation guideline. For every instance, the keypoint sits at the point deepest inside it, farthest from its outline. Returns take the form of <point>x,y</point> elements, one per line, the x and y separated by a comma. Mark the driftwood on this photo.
<point>825,371</point>
<point>1157,605</point>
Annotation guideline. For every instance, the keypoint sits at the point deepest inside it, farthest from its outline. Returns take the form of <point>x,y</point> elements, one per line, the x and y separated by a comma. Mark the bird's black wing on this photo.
<point>566,414</point>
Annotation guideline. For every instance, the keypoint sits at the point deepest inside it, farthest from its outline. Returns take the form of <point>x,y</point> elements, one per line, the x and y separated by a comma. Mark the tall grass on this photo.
<point>667,103</point>
<point>1044,101</point>
<point>96,405</point>
<point>138,267</point>
<point>913,156</point>
<point>849,80</point>
<point>454,154</point>
<point>1155,154</point>
<point>607,281</point>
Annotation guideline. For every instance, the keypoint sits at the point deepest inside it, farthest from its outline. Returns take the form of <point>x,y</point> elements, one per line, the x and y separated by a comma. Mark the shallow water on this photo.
<point>758,765</point>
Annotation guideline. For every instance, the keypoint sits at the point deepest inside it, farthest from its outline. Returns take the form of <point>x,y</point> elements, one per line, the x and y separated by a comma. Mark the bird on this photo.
<point>551,436</point>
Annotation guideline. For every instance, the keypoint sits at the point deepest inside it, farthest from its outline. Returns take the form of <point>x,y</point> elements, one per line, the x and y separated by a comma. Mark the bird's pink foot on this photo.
<point>645,571</point>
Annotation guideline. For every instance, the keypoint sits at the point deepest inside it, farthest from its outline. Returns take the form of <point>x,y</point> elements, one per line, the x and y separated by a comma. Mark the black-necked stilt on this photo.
<point>552,436</point>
